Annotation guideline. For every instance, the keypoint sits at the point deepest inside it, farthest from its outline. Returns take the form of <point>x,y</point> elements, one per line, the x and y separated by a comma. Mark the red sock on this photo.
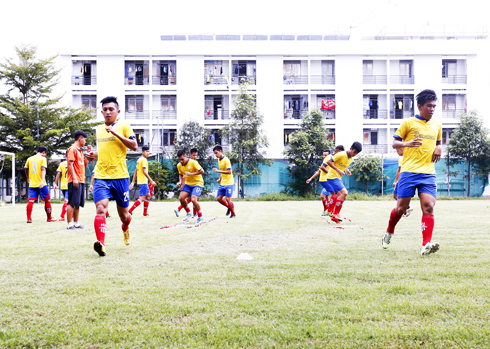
<point>47,207</point>
<point>338,206</point>
<point>63,209</point>
<point>188,200</point>
<point>145,207</point>
<point>325,203</point>
<point>136,204</point>
<point>187,209</point>
<point>100,225</point>
<point>194,211</point>
<point>125,225</point>
<point>394,218</point>
<point>331,203</point>
<point>224,203</point>
<point>199,213</point>
<point>427,228</point>
<point>30,204</point>
<point>231,206</point>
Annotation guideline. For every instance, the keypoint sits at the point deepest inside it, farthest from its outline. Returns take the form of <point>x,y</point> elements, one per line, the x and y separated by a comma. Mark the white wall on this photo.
<point>190,89</point>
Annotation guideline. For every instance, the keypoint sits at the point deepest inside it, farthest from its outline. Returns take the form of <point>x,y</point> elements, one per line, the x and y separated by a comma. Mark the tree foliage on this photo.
<point>470,144</point>
<point>367,169</point>
<point>246,138</point>
<point>159,173</point>
<point>305,151</point>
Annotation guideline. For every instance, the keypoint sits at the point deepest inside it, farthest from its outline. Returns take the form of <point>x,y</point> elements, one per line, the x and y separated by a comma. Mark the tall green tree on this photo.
<point>246,138</point>
<point>29,115</point>
<point>305,151</point>
<point>470,144</point>
<point>367,169</point>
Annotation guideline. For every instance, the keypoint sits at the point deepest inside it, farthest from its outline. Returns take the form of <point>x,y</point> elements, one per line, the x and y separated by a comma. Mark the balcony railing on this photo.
<point>164,114</point>
<point>137,80</point>
<point>215,80</point>
<point>376,114</point>
<point>144,114</point>
<point>84,80</point>
<point>402,79</point>
<point>217,114</point>
<point>296,80</point>
<point>322,79</point>
<point>235,80</point>
<point>401,114</point>
<point>295,114</point>
<point>454,79</point>
<point>375,79</point>
<point>451,114</point>
<point>164,80</point>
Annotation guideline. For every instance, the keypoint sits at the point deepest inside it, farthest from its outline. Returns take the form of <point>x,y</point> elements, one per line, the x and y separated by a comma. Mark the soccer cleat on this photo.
<point>233,216</point>
<point>329,213</point>
<point>176,212</point>
<point>108,216</point>
<point>324,214</point>
<point>228,212</point>
<point>127,236</point>
<point>407,212</point>
<point>385,241</point>
<point>61,218</point>
<point>336,218</point>
<point>78,226</point>
<point>70,227</point>
<point>146,215</point>
<point>29,221</point>
<point>131,213</point>
<point>52,219</point>
<point>99,248</point>
<point>187,217</point>
<point>200,220</point>
<point>195,216</point>
<point>430,247</point>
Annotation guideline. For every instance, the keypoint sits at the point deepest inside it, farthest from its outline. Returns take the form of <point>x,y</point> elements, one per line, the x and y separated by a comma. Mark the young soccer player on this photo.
<point>76,180</point>
<point>323,182</point>
<point>91,189</point>
<point>35,169</point>
<point>193,155</point>
<point>112,176</point>
<point>191,183</point>
<point>62,173</point>
<point>421,137</point>
<point>226,181</point>
<point>143,178</point>
<point>395,191</point>
<point>338,166</point>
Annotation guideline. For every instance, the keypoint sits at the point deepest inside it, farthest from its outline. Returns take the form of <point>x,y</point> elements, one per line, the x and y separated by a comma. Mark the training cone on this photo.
<point>244,257</point>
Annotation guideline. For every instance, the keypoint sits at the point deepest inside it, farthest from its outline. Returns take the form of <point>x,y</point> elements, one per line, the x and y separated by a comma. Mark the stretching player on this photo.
<point>226,181</point>
<point>191,183</point>
<point>35,168</point>
<point>421,137</point>
<point>143,178</point>
<point>62,172</point>
<point>395,191</point>
<point>193,155</point>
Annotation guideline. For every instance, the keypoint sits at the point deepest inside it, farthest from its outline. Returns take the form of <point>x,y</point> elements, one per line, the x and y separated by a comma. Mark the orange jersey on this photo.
<point>75,156</point>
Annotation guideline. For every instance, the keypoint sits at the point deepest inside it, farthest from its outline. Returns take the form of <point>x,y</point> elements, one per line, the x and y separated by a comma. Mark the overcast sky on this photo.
<point>54,25</point>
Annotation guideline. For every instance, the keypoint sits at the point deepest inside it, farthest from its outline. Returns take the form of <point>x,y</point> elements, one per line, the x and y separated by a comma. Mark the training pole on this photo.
<point>13,174</point>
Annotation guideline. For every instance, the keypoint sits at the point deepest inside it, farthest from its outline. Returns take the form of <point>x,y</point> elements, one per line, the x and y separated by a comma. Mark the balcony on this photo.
<point>235,80</point>
<point>291,114</point>
<point>137,80</point>
<point>215,80</point>
<point>452,114</point>
<point>376,114</point>
<point>165,114</point>
<point>374,79</point>
<point>83,80</point>
<point>218,114</point>
<point>296,80</point>
<point>322,79</point>
<point>402,79</point>
<point>143,114</point>
<point>454,79</point>
<point>164,80</point>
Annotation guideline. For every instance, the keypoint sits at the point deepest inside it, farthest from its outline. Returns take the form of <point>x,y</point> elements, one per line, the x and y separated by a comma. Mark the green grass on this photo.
<point>309,286</point>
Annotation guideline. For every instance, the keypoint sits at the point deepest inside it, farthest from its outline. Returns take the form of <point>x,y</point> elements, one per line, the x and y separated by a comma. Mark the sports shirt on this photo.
<point>191,166</point>
<point>75,154</point>
<point>63,170</point>
<point>34,164</point>
<point>323,175</point>
<point>341,160</point>
<point>140,165</point>
<point>224,165</point>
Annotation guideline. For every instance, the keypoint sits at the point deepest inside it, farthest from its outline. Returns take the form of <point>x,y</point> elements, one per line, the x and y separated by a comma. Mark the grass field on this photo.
<point>309,286</point>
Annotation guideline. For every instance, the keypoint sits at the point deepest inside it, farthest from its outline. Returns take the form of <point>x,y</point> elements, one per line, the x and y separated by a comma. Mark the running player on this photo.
<point>395,191</point>
<point>193,155</point>
<point>143,177</point>
<point>226,181</point>
<point>323,181</point>
<point>191,183</point>
<point>91,189</point>
<point>338,166</point>
<point>421,137</point>
<point>76,180</point>
<point>35,169</point>
<point>112,176</point>
<point>62,173</point>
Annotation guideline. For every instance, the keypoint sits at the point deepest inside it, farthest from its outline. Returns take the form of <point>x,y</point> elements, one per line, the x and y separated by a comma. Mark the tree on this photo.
<point>367,169</point>
<point>305,151</point>
<point>29,116</point>
<point>159,173</point>
<point>470,144</point>
<point>246,138</point>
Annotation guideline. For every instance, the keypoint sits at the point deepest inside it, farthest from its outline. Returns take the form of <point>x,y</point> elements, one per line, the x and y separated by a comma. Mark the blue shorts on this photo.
<point>65,193</point>
<point>226,190</point>
<point>408,182</point>
<point>395,191</point>
<point>336,185</point>
<point>193,189</point>
<point>43,192</point>
<point>117,189</point>
<point>144,189</point>
<point>327,189</point>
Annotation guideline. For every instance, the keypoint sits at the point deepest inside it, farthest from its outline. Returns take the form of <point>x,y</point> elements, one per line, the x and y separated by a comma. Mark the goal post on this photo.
<point>2,154</point>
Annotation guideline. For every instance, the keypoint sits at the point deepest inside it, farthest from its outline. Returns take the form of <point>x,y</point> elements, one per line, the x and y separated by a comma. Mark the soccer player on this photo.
<point>62,173</point>
<point>395,191</point>
<point>76,180</point>
<point>35,169</point>
<point>91,189</point>
<point>193,155</point>
<point>226,181</point>
<point>338,166</point>
<point>421,137</point>
<point>323,182</point>
<point>143,178</point>
<point>191,183</point>
<point>112,176</point>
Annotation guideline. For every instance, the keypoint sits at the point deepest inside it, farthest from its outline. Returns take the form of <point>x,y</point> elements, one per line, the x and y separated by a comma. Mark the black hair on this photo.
<point>42,149</point>
<point>357,147</point>
<point>426,95</point>
<point>80,133</point>
<point>180,153</point>
<point>109,99</point>
<point>328,150</point>
<point>218,148</point>
<point>340,147</point>
<point>193,150</point>
<point>145,147</point>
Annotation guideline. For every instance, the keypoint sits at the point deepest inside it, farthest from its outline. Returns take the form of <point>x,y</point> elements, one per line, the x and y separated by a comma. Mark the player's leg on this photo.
<point>120,192</point>
<point>146,204</point>
<point>44,194</point>
<point>184,195</point>
<point>136,203</point>
<point>196,193</point>
<point>427,195</point>
<point>341,195</point>
<point>65,204</point>
<point>231,205</point>
<point>33,194</point>
<point>101,193</point>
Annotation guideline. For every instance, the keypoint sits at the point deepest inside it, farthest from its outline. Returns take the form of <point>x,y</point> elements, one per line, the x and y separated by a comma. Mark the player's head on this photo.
<point>145,150</point>
<point>400,151</point>
<point>355,149</point>
<point>338,148</point>
<point>326,152</point>
<point>181,155</point>
<point>218,151</point>
<point>110,109</point>
<point>426,102</point>
<point>193,153</point>
<point>80,137</point>
<point>42,150</point>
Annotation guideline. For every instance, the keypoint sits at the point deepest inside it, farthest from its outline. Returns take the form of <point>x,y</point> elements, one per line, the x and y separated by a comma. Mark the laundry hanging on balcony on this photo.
<point>328,104</point>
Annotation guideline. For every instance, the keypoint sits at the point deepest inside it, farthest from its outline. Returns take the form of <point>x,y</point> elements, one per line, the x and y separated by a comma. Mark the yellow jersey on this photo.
<point>400,161</point>
<point>35,164</point>
<point>419,160</point>
<point>323,175</point>
<point>111,161</point>
<point>342,161</point>
<point>224,165</point>
<point>140,165</point>
<point>191,166</point>
<point>63,170</point>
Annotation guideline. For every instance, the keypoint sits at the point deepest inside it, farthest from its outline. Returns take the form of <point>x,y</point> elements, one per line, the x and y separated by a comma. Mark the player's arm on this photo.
<point>128,142</point>
<point>134,179</point>
<point>219,179</point>
<point>347,172</point>
<point>201,171</point>
<point>397,176</point>
<point>335,168</point>
<point>43,176</point>
<point>56,180</point>
<point>92,182</point>
<point>72,173</point>
<point>145,172</point>
<point>399,143</point>
<point>228,171</point>
<point>27,175</point>
<point>313,177</point>
<point>182,181</point>
<point>436,156</point>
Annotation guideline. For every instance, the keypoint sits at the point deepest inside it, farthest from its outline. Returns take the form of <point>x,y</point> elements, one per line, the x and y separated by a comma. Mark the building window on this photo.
<point>136,106</point>
<point>142,137</point>
<point>136,73</point>
<point>216,107</point>
<point>402,107</point>
<point>168,137</point>
<point>89,102</point>
<point>216,72</point>
<point>327,105</point>
<point>243,71</point>
<point>449,68</point>
<point>295,72</point>
<point>84,73</point>
<point>164,72</point>
<point>287,135</point>
<point>446,135</point>
<point>295,106</point>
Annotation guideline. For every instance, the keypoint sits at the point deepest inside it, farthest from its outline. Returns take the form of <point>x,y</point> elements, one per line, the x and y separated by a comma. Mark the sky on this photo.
<point>55,26</point>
